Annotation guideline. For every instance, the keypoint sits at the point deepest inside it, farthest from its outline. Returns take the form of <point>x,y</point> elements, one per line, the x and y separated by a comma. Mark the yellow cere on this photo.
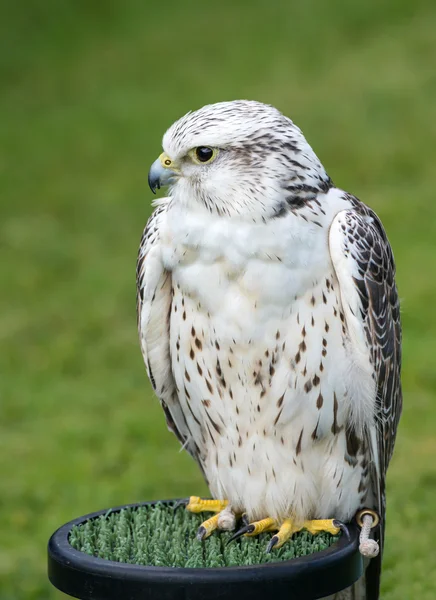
<point>165,160</point>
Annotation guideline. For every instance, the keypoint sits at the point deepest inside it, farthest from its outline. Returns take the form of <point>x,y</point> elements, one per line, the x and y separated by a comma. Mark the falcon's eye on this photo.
<point>204,154</point>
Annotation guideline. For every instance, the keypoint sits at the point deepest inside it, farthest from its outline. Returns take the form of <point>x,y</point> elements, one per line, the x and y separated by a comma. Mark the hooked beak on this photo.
<point>162,172</point>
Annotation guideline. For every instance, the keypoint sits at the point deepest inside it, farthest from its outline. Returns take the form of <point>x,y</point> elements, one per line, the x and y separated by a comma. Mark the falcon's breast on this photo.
<point>257,335</point>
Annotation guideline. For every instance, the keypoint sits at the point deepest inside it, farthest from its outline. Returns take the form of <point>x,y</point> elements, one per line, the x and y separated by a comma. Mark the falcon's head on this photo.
<point>238,158</point>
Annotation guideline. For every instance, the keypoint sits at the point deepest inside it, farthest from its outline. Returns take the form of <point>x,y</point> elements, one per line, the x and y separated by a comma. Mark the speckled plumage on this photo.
<point>269,321</point>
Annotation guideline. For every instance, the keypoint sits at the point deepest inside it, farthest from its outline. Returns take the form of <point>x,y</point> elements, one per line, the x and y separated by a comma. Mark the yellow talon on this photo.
<point>198,505</point>
<point>207,527</point>
<point>319,525</point>
<point>285,532</point>
<point>262,526</point>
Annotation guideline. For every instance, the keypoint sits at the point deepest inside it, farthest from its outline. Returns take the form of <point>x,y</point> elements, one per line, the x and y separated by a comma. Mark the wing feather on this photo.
<point>365,268</point>
<point>154,300</point>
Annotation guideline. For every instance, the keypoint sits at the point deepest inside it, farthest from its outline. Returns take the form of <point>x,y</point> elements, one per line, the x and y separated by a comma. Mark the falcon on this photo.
<point>269,323</point>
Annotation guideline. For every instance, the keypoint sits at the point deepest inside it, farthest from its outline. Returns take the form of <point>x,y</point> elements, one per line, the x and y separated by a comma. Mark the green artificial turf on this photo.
<point>87,89</point>
<point>159,536</point>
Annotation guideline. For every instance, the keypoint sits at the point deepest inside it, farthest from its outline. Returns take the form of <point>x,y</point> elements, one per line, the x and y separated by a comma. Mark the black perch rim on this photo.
<point>306,578</point>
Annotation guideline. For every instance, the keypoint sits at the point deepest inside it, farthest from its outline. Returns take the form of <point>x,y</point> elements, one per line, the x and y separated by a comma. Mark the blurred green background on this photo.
<point>87,89</point>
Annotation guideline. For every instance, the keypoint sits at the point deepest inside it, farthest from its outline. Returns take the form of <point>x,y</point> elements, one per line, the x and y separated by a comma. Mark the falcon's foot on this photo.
<point>195,504</point>
<point>225,518</point>
<point>256,528</point>
<point>286,529</point>
<point>207,527</point>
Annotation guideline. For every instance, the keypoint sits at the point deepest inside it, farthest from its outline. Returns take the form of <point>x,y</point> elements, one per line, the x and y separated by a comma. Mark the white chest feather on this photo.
<point>234,268</point>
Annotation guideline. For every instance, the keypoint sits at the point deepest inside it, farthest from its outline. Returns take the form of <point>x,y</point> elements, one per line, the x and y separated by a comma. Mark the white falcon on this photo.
<point>270,328</point>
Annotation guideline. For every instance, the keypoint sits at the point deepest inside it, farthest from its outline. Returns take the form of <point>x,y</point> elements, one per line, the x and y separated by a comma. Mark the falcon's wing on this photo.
<point>154,298</point>
<point>365,269</point>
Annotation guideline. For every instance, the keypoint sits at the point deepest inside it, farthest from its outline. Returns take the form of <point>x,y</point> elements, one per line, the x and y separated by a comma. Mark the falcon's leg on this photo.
<point>225,519</point>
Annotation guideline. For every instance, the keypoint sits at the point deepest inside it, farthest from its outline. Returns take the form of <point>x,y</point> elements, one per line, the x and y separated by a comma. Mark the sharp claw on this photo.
<point>244,519</point>
<point>273,541</point>
<point>181,502</point>
<point>246,529</point>
<point>201,533</point>
<point>342,527</point>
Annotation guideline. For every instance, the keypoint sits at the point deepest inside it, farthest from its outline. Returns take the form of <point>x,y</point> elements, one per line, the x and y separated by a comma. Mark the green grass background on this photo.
<point>87,89</point>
